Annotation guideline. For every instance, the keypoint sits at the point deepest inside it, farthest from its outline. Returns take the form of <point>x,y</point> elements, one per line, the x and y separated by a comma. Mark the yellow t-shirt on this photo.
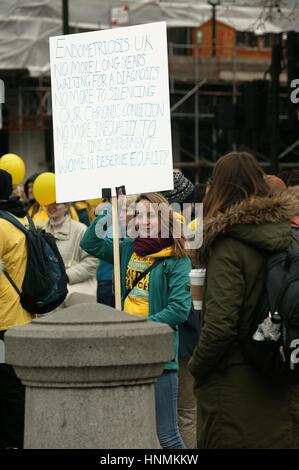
<point>13,255</point>
<point>137,302</point>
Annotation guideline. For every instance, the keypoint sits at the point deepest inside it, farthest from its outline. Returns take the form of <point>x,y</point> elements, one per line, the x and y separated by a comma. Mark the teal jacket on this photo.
<point>169,286</point>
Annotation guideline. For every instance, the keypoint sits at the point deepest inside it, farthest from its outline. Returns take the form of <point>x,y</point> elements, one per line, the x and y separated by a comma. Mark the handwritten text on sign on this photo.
<point>111,111</point>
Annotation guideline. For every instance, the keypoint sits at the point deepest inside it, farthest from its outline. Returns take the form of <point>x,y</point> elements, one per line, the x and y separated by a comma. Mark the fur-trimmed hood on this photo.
<point>259,221</point>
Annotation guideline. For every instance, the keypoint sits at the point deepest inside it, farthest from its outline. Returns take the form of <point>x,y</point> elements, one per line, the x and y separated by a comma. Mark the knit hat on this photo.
<point>5,184</point>
<point>182,189</point>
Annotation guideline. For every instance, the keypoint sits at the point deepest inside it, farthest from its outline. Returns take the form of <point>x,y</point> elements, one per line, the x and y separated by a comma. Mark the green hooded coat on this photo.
<point>237,408</point>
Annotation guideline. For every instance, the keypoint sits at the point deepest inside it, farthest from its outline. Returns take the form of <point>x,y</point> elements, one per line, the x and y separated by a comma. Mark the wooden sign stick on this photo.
<point>116,257</point>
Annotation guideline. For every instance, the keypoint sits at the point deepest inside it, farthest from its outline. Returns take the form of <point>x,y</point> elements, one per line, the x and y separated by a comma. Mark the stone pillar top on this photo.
<point>93,314</point>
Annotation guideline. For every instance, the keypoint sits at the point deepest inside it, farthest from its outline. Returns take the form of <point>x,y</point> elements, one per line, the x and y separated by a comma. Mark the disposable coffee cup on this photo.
<point>197,279</point>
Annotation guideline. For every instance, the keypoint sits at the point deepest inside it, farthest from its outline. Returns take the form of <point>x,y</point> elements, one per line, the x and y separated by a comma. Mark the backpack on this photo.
<point>272,345</point>
<point>45,283</point>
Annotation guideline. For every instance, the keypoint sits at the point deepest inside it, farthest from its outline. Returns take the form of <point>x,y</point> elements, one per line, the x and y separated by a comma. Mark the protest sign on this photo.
<point>111,115</point>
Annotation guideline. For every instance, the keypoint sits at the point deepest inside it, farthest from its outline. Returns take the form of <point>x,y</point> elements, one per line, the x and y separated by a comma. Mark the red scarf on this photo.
<point>149,246</point>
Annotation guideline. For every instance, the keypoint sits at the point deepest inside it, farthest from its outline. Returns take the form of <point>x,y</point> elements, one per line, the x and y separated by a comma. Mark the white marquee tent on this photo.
<point>26,25</point>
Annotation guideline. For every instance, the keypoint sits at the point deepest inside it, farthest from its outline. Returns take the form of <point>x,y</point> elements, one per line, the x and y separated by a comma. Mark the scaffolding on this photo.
<point>197,85</point>
<point>191,73</point>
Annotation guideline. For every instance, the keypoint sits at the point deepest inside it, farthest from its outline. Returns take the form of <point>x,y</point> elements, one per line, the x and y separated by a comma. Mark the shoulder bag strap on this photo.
<point>142,275</point>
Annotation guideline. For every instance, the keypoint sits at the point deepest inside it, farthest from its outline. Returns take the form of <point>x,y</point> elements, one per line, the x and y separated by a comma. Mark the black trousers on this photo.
<point>12,407</point>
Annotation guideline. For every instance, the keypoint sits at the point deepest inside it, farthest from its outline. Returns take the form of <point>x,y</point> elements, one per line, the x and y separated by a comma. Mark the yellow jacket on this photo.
<point>13,258</point>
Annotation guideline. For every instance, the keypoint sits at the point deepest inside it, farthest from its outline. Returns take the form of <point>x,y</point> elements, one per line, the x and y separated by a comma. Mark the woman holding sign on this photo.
<point>155,284</point>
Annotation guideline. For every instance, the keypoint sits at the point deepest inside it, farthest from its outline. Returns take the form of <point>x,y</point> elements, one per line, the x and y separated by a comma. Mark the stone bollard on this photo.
<point>89,372</point>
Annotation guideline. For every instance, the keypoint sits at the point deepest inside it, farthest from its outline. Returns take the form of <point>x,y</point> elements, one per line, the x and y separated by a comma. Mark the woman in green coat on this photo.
<point>163,295</point>
<point>243,223</point>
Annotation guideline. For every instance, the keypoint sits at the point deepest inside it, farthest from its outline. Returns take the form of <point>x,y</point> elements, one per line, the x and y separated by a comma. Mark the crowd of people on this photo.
<point>209,395</point>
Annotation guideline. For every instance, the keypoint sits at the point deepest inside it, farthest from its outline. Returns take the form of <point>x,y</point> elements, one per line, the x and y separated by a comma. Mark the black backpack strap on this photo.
<point>12,282</point>
<point>142,275</point>
<point>10,218</point>
<point>31,223</point>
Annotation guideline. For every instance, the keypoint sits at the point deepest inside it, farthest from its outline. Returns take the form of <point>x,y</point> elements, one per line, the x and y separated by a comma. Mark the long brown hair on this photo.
<point>167,216</point>
<point>236,176</point>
